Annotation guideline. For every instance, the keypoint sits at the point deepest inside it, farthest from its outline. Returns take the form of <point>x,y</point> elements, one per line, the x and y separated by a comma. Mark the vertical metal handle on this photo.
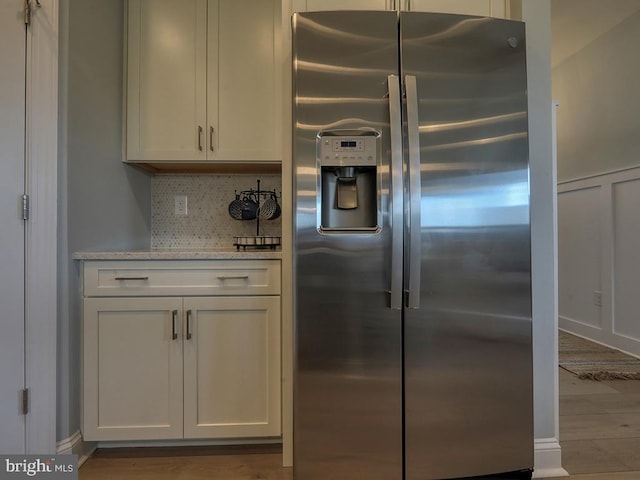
<point>211,130</point>
<point>395,119</point>
<point>415,192</point>
<point>174,320</point>
<point>199,138</point>
<point>408,5</point>
<point>188,325</point>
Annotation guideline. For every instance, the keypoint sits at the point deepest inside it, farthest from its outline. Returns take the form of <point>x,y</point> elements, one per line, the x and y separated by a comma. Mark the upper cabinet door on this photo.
<point>166,80</point>
<point>204,81</point>
<point>244,81</point>
<point>484,8</point>
<point>320,5</point>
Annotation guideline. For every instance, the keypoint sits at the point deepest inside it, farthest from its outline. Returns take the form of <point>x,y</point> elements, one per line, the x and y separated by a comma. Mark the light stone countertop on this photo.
<point>249,254</point>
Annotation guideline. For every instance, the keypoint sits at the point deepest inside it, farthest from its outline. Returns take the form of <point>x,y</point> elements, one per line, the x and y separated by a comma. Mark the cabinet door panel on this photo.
<point>244,81</point>
<point>166,80</point>
<point>132,369</point>
<point>232,367</point>
<point>483,8</point>
<point>321,5</point>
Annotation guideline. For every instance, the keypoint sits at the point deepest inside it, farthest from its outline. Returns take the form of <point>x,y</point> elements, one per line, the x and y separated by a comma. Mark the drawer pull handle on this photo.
<point>188,324</point>
<point>236,277</point>
<point>174,319</point>
<point>132,278</point>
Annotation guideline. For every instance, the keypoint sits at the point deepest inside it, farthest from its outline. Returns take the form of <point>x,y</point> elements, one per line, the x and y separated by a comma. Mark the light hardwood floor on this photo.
<point>599,434</point>
<point>600,428</point>
<point>198,463</point>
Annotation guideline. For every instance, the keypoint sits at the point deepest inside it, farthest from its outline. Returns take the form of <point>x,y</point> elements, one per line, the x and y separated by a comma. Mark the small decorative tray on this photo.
<point>257,241</point>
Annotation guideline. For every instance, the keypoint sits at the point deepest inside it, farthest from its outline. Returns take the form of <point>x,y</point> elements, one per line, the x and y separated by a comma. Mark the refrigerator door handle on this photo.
<point>415,193</point>
<point>395,118</point>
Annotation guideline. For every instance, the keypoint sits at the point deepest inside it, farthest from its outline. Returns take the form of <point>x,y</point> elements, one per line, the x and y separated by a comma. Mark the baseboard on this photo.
<point>627,345</point>
<point>189,443</point>
<point>75,445</point>
<point>548,458</point>
<point>547,452</point>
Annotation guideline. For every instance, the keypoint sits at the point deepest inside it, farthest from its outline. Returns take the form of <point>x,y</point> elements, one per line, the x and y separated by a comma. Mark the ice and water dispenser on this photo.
<point>347,181</point>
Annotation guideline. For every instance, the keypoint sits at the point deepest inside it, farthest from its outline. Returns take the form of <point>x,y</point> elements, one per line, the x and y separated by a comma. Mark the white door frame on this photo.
<point>41,228</point>
<point>12,106</point>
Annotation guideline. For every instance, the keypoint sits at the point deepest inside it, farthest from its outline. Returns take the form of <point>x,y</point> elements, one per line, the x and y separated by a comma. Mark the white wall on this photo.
<point>598,118</point>
<point>103,204</point>
<point>599,190</point>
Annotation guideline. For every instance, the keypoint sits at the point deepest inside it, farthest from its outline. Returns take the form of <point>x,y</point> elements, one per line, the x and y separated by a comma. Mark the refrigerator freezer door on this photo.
<point>468,357</point>
<point>348,359</point>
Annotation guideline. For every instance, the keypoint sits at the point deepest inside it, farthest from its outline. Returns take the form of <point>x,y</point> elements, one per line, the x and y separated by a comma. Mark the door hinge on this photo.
<point>27,10</point>
<point>25,401</point>
<point>25,207</point>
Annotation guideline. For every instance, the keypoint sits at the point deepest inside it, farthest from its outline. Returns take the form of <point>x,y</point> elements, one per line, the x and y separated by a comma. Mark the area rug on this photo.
<point>589,360</point>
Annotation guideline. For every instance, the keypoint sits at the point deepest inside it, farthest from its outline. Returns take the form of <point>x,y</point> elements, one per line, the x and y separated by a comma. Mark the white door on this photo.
<point>12,161</point>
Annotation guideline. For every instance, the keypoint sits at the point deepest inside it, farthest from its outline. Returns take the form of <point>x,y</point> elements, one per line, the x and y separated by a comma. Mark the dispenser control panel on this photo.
<point>348,145</point>
<point>352,150</point>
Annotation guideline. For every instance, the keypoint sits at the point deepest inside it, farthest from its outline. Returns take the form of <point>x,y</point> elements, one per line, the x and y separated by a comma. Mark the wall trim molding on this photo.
<point>600,257</point>
<point>75,445</point>
<point>590,180</point>
<point>591,333</point>
<point>548,458</point>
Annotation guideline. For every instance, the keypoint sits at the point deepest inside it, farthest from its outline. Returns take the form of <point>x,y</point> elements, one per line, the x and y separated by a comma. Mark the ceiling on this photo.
<point>576,23</point>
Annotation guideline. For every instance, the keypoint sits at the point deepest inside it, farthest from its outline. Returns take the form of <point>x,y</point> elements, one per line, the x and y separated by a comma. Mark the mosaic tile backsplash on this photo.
<point>207,224</point>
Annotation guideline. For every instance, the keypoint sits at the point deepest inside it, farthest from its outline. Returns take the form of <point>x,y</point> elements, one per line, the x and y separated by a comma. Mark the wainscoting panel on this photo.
<point>598,258</point>
<point>579,239</point>
<point>626,235</point>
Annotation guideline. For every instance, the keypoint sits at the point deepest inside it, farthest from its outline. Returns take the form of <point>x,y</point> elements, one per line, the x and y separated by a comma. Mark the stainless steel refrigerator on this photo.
<point>412,302</point>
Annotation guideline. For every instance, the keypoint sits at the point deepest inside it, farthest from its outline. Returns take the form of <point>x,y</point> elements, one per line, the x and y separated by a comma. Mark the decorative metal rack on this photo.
<point>258,241</point>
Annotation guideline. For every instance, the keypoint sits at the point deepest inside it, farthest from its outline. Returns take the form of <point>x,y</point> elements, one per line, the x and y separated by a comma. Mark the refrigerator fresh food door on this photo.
<point>467,336</point>
<point>348,357</point>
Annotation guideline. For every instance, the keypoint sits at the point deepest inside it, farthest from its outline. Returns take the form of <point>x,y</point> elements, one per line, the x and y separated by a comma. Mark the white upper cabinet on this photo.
<point>486,8</point>
<point>203,81</point>
<point>244,84</point>
<point>166,79</point>
<point>319,5</point>
<point>483,8</point>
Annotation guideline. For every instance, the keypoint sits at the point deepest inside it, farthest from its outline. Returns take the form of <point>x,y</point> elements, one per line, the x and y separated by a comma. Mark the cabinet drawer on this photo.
<point>181,277</point>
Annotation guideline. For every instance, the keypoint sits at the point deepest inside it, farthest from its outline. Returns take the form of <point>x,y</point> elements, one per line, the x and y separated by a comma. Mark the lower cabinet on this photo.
<point>232,367</point>
<point>181,367</point>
